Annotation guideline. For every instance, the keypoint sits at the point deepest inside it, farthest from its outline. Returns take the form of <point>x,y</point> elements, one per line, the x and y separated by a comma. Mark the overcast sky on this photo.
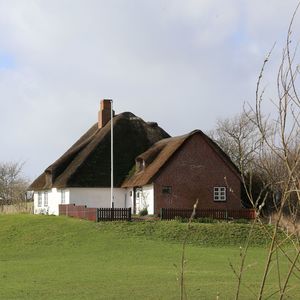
<point>181,63</point>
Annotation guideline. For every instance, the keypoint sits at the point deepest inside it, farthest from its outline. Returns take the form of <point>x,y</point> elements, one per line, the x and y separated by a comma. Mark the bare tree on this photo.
<point>278,158</point>
<point>238,137</point>
<point>13,184</point>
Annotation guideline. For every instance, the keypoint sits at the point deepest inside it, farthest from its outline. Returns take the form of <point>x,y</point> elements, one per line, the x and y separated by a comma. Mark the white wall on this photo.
<point>91,197</point>
<point>97,197</point>
<point>54,199</point>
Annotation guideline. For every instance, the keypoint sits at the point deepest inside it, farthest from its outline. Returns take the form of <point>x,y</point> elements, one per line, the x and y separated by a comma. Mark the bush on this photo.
<point>143,212</point>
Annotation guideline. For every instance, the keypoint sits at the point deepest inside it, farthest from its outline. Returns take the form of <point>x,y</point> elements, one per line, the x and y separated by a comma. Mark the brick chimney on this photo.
<point>104,112</point>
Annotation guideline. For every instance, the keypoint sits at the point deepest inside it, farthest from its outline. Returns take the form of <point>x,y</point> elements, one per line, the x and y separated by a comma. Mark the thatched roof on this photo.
<point>87,162</point>
<point>156,157</point>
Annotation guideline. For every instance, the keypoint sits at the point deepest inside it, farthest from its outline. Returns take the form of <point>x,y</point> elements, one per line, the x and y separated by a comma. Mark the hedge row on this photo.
<point>216,234</point>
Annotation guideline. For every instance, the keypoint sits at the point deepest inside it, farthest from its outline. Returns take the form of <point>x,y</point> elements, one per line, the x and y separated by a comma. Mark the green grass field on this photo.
<point>46,257</point>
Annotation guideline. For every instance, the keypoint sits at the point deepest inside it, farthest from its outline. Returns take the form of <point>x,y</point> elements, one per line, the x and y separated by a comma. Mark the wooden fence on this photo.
<point>17,208</point>
<point>171,213</point>
<point>113,214</point>
<point>95,214</point>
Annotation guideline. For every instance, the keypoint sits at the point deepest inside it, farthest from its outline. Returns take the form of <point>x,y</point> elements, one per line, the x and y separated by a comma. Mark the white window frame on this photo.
<point>63,197</point>
<point>40,199</point>
<point>46,194</point>
<point>220,194</point>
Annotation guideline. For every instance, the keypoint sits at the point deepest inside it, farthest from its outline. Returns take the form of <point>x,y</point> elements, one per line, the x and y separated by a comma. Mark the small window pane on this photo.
<point>63,197</point>
<point>220,193</point>
<point>39,199</point>
<point>46,199</point>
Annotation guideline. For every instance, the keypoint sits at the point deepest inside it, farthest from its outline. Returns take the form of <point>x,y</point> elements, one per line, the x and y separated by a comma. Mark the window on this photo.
<point>46,199</point>
<point>167,190</point>
<point>39,199</point>
<point>220,193</point>
<point>63,197</point>
<point>140,164</point>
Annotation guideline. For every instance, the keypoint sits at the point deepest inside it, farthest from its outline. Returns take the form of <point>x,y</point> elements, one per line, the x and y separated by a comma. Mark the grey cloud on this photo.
<point>181,63</point>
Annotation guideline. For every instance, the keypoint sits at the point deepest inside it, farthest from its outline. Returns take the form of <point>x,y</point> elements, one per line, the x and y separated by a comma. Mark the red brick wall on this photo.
<point>193,172</point>
<point>78,211</point>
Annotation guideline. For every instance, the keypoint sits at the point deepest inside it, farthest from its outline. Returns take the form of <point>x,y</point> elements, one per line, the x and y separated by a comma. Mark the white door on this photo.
<point>138,199</point>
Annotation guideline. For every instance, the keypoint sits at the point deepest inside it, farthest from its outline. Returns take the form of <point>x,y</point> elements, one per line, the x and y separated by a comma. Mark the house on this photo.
<point>176,171</point>
<point>151,169</point>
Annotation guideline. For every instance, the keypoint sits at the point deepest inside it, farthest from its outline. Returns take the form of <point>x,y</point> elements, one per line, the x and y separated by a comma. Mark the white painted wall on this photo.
<point>91,197</point>
<point>54,199</point>
<point>97,197</point>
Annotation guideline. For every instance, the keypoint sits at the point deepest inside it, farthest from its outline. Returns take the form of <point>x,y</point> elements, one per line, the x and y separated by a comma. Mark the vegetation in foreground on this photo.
<point>46,257</point>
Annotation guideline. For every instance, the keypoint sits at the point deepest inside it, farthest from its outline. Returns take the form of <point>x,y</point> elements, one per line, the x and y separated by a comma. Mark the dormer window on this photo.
<point>48,178</point>
<point>140,165</point>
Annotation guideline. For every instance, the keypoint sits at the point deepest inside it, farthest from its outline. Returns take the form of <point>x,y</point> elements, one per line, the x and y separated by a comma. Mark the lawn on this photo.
<point>46,257</point>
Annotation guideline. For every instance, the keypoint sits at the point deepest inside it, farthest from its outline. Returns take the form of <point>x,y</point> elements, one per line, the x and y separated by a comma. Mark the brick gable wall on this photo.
<point>193,172</point>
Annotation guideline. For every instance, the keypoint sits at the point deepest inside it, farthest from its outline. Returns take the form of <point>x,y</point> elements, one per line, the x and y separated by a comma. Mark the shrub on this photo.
<point>143,212</point>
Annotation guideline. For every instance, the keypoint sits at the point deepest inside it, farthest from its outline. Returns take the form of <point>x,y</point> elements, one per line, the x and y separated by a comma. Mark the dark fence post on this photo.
<point>129,214</point>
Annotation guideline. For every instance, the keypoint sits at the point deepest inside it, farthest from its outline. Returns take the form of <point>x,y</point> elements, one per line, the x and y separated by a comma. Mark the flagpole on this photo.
<point>111,155</point>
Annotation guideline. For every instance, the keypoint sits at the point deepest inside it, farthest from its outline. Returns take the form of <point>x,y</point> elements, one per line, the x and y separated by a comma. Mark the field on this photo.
<point>46,257</point>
